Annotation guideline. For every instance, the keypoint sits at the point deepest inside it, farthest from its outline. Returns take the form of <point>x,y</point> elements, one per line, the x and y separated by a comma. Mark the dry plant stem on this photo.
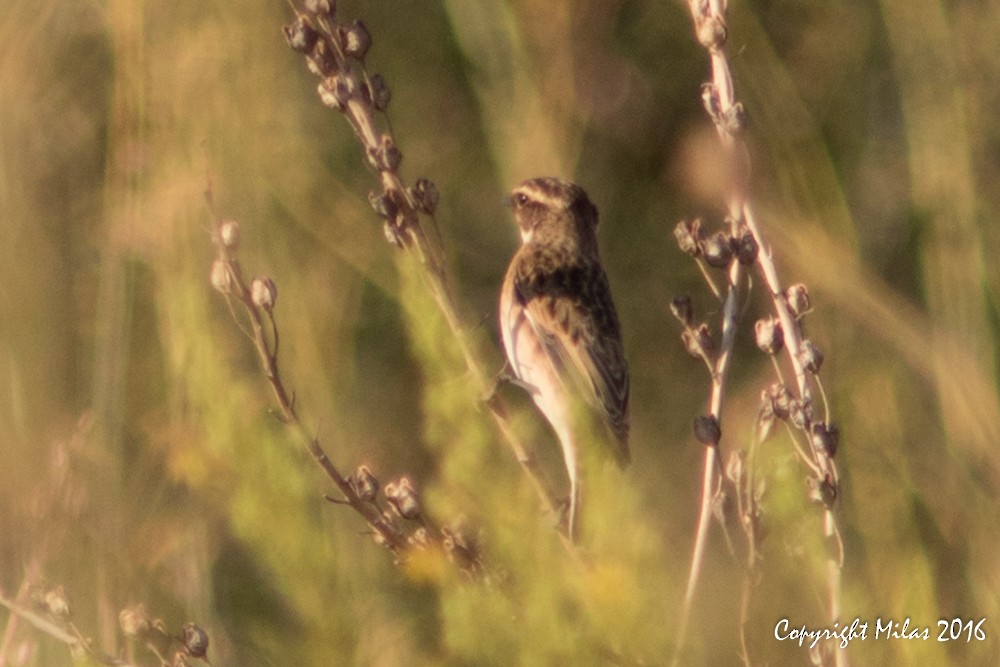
<point>39,621</point>
<point>11,628</point>
<point>792,336</point>
<point>711,464</point>
<point>266,347</point>
<point>71,638</point>
<point>345,79</point>
<point>748,510</point>
<point>357,491</point>
<point>826,468</point>
<point>709,18</point>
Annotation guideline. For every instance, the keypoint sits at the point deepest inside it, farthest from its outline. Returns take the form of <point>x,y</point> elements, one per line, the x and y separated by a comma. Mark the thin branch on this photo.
<point>359,491</point>
<point>718,96</point>
<point>336,53</point>
<point>227,276</point>
<point>710,462</point>
<point>64,632</point>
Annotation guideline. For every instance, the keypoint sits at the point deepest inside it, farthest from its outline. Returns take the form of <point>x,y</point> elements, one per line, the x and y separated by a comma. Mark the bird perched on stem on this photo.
<point>559,325</point>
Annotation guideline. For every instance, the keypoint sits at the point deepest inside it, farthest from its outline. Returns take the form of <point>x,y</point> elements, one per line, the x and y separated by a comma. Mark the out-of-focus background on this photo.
<point>140,463</point>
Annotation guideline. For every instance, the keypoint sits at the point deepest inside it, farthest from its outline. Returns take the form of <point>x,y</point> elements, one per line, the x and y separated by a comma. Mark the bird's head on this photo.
<point>553,210</point>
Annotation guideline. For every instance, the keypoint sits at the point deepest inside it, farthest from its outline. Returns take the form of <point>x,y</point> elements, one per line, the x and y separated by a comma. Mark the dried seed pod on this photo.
<point>344,88</point>
<point>387,156</point>
<point>824,491</point>
<point>711,32</point>
<point>409,505</point>
<point>682,309</point>
<point>380,92</point>
<point>419,537</point>
<point>56,603</point>
<point>826,438</point>
<point>765,415</point>
<point>426,195</point>
<point>365,484</point>
<point>356,40</point>
<point>704,337</point>
<point>301,36</point>
<point>221,279</point>
<point>322,7</point>
<point>133,621</point>
<point>769,336</point>
<point>747,249</point>
<point>781,399</point>
<point>688,235</point>
<point>698,341</point>
<point>383,205</point>
<point>707,430</point>
<point>229,234</point>
<point>798,414</point>
<point>797,298</point>
<point>263,292</point>
<point>811,357</point>
<point>403,499</point>
<point>195,640</point>
<point>718,250</point>
<point>333,93</point>
<point>322,62</point>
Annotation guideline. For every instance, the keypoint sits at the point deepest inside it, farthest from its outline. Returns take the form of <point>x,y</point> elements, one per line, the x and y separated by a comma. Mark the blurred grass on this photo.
<point>875,150</point>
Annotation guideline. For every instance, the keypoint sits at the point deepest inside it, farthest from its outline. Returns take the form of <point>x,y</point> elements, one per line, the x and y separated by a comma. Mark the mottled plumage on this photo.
<point>559,325</point>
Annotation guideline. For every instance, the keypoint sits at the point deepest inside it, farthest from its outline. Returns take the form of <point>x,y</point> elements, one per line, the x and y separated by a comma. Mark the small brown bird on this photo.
<point>559,325</point>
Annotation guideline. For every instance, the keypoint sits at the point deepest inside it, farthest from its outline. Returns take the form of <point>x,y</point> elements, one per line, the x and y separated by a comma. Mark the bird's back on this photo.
<point>564,300</point>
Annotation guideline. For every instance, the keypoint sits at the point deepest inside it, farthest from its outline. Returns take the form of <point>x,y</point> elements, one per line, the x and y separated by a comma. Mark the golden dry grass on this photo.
<point>140,463</point>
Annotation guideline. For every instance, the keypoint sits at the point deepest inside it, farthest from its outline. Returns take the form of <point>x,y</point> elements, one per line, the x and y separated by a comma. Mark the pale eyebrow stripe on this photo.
<point>541,195</point>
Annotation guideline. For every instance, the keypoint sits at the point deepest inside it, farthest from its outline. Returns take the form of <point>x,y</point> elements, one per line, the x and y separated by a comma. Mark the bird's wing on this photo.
<point>570,310</point>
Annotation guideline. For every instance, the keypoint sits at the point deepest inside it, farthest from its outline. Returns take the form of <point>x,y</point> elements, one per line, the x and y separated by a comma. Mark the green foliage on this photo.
<point>142,459</point>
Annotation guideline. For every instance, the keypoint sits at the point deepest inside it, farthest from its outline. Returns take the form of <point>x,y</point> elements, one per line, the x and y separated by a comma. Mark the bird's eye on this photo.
<point>521,199</point>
